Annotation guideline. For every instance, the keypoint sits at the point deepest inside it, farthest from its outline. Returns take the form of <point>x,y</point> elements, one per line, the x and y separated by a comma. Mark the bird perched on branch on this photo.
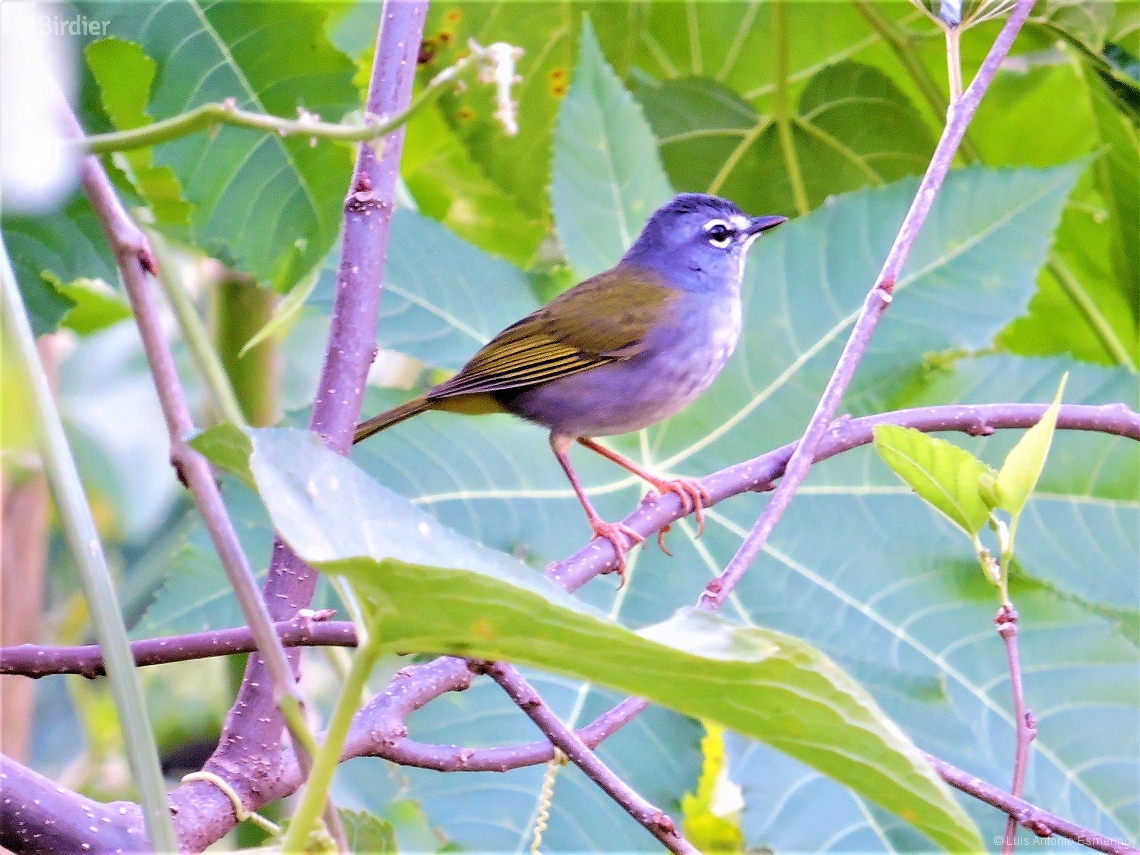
<point>619,351</point>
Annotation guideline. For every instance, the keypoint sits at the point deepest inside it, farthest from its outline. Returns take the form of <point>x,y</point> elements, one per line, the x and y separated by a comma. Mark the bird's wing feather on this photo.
<point>601,320</point>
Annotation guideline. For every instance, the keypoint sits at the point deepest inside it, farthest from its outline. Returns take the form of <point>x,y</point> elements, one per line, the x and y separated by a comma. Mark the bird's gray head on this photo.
<point>697,242</point>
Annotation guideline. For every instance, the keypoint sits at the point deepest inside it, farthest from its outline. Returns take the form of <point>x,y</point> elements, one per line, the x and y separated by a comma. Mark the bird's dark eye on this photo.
<point>719,233</point>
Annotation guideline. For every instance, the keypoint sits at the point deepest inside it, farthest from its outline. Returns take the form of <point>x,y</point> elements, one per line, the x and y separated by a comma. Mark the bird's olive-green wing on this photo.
<point>601,320</point>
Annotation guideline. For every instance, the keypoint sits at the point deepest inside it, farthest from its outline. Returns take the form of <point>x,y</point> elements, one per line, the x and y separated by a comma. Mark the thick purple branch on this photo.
<point>249,753</point>
<point>40,817</point>
<point>958,119</point>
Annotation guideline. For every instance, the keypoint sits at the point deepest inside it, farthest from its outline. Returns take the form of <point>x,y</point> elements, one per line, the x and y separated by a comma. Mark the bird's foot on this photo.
<point>694,496</point>
<point>616,534</point>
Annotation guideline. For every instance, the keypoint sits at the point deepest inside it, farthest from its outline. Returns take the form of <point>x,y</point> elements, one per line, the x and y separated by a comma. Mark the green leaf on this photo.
<point>96,305</point>
<point>853,128</point>
<point>1086,302</point>
<point>268,206</point>
<point>1082,307</point>
<point>706,827</point>
<point>1087,492</point>
<point>449,187</point>
<point>1118,180</point>
<point>366,834</point>
<point>779,792</point>
<point>430,589</point>
<point>518,165</point>
<point>1022,467</point>
<point>1084,20</point>
<point>124,75</point>
<point>443,298</point>
<point>607,178</point>
<point>944,475</point>
<point>69,245</point>
<point>227,447</point>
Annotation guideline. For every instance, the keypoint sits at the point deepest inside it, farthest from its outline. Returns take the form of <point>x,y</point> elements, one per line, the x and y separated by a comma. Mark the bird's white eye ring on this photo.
<point>720,233</point>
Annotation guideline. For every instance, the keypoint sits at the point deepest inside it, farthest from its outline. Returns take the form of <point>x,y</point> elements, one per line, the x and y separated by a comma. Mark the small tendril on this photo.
<point>239,810</point>
<point>546,798</point>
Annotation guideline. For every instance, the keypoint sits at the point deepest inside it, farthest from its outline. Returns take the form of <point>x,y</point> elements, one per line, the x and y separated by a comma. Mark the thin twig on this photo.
<point>902,44</point>
<point>1024,726</point>
<point>307,630</point>
<point>207,116</point>
<point>954,62</point>
<point>197,340</point>
<point>654,820</point>
<point>1040,822</point>
<point>878,299</point>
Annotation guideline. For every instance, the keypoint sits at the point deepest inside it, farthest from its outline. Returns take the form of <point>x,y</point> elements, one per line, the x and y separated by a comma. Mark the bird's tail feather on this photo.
<point>390,417</point>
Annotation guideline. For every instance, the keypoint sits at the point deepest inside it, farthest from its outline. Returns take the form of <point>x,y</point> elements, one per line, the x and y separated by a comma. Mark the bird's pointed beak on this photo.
<point>762,224</point>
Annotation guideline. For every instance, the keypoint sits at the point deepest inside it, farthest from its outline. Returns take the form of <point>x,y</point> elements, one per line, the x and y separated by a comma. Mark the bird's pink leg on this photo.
<point>615,533</point>
<point>693,494</point>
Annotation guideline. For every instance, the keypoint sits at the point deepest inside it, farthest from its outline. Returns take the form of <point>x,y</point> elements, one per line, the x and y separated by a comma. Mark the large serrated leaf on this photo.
<point>853,127</point>
<point>449,187</point>
<point>1086,299</point>
<point>606,178</point>
<point>266,205</point>
<point>429,589</point>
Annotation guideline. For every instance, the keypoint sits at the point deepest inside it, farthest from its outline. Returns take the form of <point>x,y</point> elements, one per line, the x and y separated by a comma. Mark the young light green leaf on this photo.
<point>124,74</point>
<point>429,589</point>
<point>943,474</point>
<point>228,448</point>
<point>1023,464</point>
<point>34,245</point>
<point>96,305</point>
<point>606,176</point>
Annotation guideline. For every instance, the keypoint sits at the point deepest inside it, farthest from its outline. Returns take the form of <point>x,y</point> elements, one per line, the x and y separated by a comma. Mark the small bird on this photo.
<point>619,351</point>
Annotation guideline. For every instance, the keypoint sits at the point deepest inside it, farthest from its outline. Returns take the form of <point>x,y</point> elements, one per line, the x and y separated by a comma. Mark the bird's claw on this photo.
<point>694,497</point>
<point>616,534</point>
